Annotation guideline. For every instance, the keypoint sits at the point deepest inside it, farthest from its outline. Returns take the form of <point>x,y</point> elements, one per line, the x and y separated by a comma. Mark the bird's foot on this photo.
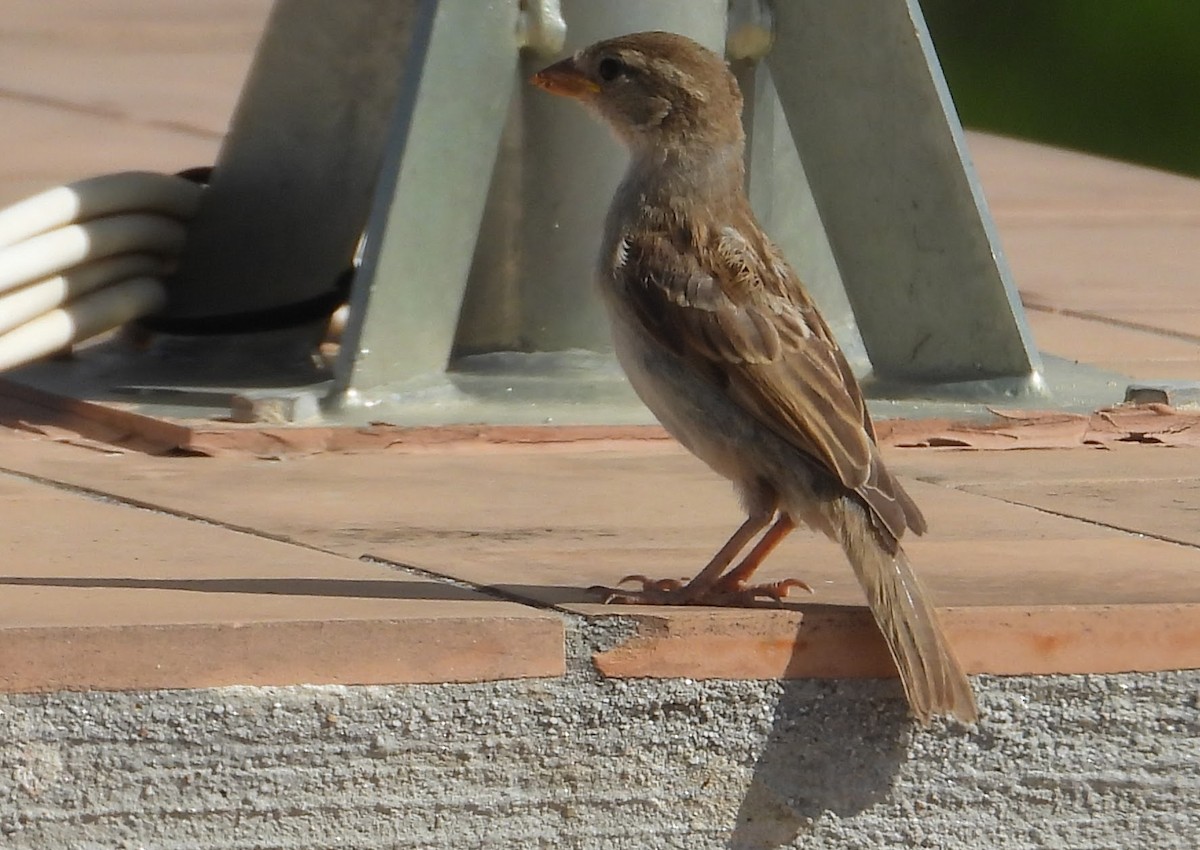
<point>654,591</point>
<point>670,591</point>
<point>738,595</point>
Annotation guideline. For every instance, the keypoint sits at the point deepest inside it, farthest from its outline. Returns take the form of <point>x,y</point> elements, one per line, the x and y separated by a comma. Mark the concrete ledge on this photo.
<point>584,762</point>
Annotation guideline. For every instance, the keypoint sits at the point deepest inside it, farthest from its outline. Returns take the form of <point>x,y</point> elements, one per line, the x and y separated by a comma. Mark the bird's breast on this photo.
<point>692,410</point>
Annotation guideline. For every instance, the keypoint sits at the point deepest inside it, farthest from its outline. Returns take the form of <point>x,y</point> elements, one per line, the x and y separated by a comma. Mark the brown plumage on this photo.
<point>723,344</point>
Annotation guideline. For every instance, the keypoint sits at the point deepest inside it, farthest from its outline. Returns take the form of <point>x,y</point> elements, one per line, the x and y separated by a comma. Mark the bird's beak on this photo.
<point>565,78</point>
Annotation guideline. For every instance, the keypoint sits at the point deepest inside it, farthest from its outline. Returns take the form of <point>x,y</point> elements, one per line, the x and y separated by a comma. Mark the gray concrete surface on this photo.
<point>580,762</point>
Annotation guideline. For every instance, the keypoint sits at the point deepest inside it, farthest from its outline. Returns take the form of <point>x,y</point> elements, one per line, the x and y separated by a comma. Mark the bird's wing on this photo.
<point>725,296</point>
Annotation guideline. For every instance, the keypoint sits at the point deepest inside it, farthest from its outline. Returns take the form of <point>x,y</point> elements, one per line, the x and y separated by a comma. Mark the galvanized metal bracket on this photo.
<point>856,165</point>
<point>402,131</point>
<point>907,222</point>
<point>458,81</point>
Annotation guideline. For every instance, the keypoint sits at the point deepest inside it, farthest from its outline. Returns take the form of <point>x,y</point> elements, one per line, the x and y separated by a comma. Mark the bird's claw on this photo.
<point>653,591</point>
<point>671,591</point>
<point>731,595</point>
<point>777,590</point>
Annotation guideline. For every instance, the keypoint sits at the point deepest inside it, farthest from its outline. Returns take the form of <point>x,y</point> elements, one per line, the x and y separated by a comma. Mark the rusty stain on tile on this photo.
<point>844,643</point>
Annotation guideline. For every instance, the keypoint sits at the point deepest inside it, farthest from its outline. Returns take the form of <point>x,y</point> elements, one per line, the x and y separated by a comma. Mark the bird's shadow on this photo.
<point>835,749</point>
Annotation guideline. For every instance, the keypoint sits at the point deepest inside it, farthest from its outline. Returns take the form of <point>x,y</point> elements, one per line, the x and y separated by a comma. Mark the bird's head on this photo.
<point>655,89</point>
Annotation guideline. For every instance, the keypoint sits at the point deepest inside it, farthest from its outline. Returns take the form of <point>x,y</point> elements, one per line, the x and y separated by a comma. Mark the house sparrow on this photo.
<point>721,341</point>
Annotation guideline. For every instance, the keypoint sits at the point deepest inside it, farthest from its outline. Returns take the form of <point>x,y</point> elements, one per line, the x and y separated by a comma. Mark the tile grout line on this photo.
<point>495,593</point>
<point>138,504</point>
<point>959,484</point>
<point>585,636</point>
<point>487,590</point>
<point>108,114</point>
<point>1127,324</point>
<point>1088,521</point>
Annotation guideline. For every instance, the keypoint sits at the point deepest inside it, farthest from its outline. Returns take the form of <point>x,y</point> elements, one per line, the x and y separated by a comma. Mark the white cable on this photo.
<point>84,258</point>
<point>96,197</point>
<point>95,312</point>
<point>29,302</point>
<point>51,253</point>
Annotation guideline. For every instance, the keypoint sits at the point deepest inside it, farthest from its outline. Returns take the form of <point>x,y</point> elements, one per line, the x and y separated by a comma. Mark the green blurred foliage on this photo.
<point>1120,78</point>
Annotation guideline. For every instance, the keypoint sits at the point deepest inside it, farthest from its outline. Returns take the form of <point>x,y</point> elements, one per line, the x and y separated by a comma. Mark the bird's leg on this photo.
<point>732,586</point>
<point>675,592</point>
<point>737,577</point>
<point>708,577</point>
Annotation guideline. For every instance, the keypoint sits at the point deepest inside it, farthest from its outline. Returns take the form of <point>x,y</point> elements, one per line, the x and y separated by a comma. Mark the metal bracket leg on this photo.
<point>918,253</point>
<point>458,80</point>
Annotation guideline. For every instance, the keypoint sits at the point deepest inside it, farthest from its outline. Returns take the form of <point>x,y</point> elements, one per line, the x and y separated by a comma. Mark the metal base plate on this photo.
<point>509,388</point>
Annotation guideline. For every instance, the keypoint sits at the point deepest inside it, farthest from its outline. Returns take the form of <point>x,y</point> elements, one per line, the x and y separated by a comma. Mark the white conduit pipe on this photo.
<point>29,302</point>
<point>92,314</point>
<point>51,253</point>
<point>84,258</point>
<point>130,191</point>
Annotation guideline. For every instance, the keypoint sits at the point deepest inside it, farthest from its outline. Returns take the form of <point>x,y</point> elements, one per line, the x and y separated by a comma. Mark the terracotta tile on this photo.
<point>1029,182</point>
<point>1143,344</point>
<point>101,595</point>
<point>1168,509</point>
<point>141,59</point>
<point>350,502</point>
<point>1138,265</point>
<point>819,642</point>
<point>58,147</point>
<point>355,503</point>
<point>1184,319</point>
<point>978,573</point>
<point>543,526</point>
<point>958,468</point>
<point>1145,490</point>
<point>1086,233</point>
<point>127,84</point>
<point>843,643</point>
<point>1093,342</point>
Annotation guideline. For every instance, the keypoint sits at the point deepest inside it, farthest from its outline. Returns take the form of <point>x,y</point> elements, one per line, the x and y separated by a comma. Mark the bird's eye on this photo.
<point>609,69</point>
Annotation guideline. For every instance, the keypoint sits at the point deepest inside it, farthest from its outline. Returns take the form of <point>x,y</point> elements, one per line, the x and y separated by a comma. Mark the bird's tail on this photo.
<point>933,680</point>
